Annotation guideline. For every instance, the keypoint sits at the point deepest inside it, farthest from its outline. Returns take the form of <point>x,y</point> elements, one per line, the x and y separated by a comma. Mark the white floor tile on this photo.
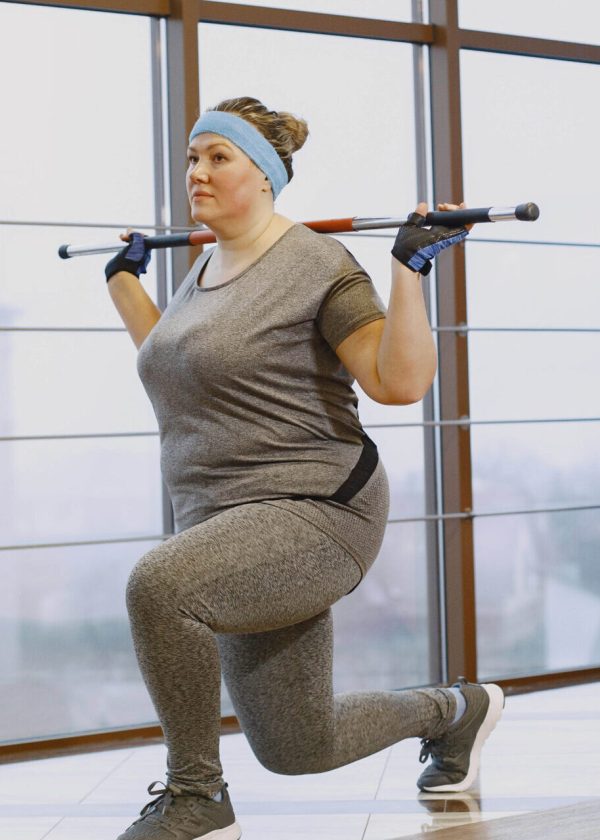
<point>391,826</point>
<point>65,779</point>
<point>248,780</point>
<point>305,827</point>
<point>98,828</point>
<point>402,771</point>
<point>581,700</point>
<point>29,828</point>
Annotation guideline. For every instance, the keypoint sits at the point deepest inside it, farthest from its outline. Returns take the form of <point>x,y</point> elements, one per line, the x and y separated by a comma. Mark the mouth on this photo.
<point>197,196</point>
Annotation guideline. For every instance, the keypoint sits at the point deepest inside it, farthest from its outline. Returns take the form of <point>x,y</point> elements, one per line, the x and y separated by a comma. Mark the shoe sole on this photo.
<point>493,715</point>
<point>232,832</point>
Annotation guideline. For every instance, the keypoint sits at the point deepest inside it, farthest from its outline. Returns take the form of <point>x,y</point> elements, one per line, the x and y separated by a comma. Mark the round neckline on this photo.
<point>241,274</point>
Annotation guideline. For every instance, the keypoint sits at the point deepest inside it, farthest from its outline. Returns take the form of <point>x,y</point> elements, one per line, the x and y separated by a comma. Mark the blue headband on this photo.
<point>249,140</point>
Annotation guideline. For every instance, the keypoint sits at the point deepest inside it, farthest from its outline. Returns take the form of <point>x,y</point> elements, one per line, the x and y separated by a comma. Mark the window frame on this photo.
<point>446,423</point>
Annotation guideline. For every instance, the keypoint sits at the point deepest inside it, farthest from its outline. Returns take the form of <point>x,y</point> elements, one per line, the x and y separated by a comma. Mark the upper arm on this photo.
<point>358,354</point>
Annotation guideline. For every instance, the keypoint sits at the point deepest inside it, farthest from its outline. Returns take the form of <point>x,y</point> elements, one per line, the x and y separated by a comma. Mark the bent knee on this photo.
<point>293,764</point>
<point>144,579</point>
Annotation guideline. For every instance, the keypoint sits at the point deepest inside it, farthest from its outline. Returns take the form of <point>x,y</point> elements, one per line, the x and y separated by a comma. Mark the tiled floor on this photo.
<point>544,753</point>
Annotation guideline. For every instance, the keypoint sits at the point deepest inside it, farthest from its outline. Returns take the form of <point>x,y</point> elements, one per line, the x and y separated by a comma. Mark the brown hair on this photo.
<point>285,132</point>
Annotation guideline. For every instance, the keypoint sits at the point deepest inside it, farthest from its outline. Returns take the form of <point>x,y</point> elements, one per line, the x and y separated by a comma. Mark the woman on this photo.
<point>279,496</point>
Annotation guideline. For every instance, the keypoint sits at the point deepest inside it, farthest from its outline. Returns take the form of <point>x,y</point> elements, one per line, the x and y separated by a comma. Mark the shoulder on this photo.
<point>324,249</point>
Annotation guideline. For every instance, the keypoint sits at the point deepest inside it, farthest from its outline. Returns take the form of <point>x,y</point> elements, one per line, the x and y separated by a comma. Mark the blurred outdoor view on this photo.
<point>82,500</point>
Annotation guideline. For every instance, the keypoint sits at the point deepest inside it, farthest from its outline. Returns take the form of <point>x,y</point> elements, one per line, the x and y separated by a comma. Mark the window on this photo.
<point>79,460</point>
<point>579,21</point>
<point>533,310</point>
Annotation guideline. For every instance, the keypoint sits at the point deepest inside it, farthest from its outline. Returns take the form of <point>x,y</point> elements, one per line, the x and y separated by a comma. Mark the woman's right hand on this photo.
<point>134,258</point>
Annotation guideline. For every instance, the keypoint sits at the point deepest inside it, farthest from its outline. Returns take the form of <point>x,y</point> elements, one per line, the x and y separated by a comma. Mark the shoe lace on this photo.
<point>163,798</point>
<point>427,746</point>
<point>437,748</point>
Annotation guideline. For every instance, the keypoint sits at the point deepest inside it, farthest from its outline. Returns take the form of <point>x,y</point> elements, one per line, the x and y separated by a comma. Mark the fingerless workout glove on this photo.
<point>416,246</point>
<point>134,258</point>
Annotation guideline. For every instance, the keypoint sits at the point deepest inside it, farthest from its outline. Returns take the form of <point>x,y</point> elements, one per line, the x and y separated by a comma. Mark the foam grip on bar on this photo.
<point>63,252</point>
<point>167,240</point>
<point>527,212</point>
<point>458,218</point>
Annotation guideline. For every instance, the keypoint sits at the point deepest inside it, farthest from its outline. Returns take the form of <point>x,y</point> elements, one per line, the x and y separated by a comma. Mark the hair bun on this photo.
<point>285,132</point>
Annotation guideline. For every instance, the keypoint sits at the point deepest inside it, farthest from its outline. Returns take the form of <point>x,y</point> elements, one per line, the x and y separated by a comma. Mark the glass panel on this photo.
<point>71,383</point>
<point>349,166</point>
<point>401,451</point>
<point>384,9</point>
<point>521,144</point>
<point>534,466</point>
<point>533,375</point>
<point>56,292</point>
<point>64,490</point>
<point>514,285</point>
<point>381,629</point>
<point>538,593</point>
<point>67,659</point>
<point>76,141</point>
<point>579,20</point>
<point>67,663</point>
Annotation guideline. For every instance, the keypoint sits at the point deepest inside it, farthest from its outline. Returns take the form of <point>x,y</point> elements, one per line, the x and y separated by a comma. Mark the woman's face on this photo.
<point>222,182</point>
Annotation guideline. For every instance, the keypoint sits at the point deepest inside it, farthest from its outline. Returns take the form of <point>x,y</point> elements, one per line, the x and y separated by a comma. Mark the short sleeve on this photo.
<point>350,303</point>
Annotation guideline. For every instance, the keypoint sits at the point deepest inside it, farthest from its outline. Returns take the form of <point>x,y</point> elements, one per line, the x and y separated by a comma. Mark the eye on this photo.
<point>192,159</point>
<point>219,155</point>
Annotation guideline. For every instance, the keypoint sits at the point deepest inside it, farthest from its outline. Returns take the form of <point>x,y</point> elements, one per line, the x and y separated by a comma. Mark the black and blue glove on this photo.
<point>416,245</point>
<point>134,258</point>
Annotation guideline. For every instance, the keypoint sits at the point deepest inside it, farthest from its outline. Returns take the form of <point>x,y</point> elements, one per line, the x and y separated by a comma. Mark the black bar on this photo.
<point>528,212</point>
<point>167,240</point>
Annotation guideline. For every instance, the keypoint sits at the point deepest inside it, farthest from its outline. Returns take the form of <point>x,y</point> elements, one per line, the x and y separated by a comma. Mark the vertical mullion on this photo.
<point>160,206</point>
<point>459,577</point>
<point>158,154</point>
<point>183,95</point>
<point>431,501</point>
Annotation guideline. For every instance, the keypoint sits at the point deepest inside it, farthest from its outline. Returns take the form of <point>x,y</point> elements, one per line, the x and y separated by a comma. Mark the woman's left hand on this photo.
<point>416,245</point>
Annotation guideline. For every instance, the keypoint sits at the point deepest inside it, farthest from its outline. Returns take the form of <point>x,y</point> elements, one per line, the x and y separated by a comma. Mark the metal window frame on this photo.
<point>152,8</point>
<point>436,619</point>
<point>445,39</point>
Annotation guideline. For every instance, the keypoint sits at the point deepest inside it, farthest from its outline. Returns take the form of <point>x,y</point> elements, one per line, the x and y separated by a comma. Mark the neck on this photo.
<point>237,241</point>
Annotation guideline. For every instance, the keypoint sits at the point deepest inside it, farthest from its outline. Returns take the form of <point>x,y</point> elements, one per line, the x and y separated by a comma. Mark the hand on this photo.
<point>134,258</point>
<point>416,245</point>
<point>461,206</point>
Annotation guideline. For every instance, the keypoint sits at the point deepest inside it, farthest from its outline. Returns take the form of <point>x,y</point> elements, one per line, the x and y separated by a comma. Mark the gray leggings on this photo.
<point>248,593</point>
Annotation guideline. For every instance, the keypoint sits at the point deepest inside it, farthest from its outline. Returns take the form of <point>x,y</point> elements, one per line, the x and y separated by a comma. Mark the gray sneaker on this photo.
<point>178,816</point>
<point>455,755</point>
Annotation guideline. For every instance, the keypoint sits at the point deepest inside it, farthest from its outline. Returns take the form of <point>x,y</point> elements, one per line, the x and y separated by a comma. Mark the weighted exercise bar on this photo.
<point>528,212</point>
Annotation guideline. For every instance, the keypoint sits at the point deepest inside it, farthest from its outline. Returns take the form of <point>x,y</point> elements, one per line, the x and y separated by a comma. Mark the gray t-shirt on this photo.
<point>251,400</point>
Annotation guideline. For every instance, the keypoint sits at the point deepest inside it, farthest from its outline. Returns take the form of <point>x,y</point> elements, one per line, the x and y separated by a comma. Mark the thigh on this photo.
<point>281,686</point>
<point>250,569</point>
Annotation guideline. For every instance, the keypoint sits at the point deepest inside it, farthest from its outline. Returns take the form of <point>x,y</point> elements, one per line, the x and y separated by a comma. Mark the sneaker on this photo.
<point>455,755</point>
<point>178,816</point>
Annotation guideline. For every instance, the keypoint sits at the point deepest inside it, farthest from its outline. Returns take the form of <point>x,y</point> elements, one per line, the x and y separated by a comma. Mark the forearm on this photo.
<point>406,358</point>
<point>136,308</point>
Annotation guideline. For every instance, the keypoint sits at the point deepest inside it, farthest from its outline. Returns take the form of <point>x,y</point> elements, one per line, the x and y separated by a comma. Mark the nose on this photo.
<point>197,173</point>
